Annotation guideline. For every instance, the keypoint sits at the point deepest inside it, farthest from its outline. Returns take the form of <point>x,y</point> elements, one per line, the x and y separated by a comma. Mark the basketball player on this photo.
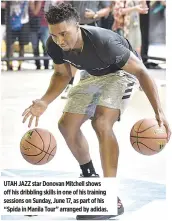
<point>113,68</point>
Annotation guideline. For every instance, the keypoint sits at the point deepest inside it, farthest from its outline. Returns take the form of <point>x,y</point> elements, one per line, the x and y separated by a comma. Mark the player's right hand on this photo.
<point>34,111</point>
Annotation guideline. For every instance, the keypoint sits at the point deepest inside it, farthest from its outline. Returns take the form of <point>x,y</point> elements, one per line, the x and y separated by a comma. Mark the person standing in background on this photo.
<point>107,21</point>
<point>91,12</point>
<point>118,24</point>
<point>3,28</point>
<point>126,21</point>
<point>19,27</point>
<point>144,27</point>
<point>39,30</point>
<point>132,23</point>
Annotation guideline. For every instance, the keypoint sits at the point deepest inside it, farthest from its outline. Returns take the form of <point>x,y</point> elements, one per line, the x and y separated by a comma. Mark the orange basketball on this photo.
<point>147,137</point>
<point>38,146</point>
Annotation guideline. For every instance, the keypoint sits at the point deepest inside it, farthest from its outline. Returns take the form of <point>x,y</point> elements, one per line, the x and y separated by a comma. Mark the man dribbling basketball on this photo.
<point>113,67</point>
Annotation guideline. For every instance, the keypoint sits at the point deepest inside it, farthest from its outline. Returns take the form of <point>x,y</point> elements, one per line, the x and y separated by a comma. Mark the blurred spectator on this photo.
<point>126,21</point>
<point>145,25</point>
<point>90,13</point>
<point>107,21</point>
<point>49,3</point>
<point>39,30</point>
<point>157,23</point>
<point>164,4</point>
<point>118,25</point>
<point>158,6</point>
<point>19,25</point>
<point>3,29</point>
<point>132,23</point>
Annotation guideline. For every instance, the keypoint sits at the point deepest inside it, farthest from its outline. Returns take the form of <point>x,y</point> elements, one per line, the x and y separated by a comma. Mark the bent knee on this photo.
<point>67,129</point>
<point>64,126</point>
<point>101,125</point>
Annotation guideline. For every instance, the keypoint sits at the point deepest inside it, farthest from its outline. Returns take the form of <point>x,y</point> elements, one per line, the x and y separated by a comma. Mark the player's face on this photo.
<point>64,34</point>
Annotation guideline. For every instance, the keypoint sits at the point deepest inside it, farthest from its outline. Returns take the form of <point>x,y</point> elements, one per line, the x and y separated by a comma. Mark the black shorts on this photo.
<point>22,36</point>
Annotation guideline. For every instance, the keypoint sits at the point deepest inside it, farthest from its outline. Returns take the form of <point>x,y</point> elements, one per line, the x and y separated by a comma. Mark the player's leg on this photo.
<point>69,126</point>
<point>79,108</point>
<point>102,123</point>
<point>115,94</point>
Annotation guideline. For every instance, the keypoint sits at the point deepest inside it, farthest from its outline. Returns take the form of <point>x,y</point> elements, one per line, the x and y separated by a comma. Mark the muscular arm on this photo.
<point>129,62</point>
<point>137,68</point>
<point>59,80</point>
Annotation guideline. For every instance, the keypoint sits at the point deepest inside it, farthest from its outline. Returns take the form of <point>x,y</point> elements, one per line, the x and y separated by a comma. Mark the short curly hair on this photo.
<point>61,12</point>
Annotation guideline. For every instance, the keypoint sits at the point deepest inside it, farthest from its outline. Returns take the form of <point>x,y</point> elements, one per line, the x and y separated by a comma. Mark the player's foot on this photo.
<point>102,217</point>
<point>66,92</point>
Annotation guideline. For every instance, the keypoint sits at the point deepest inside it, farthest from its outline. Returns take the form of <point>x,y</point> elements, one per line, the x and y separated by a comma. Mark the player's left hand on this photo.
<point>89,13</point>
<point>162,121</point>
